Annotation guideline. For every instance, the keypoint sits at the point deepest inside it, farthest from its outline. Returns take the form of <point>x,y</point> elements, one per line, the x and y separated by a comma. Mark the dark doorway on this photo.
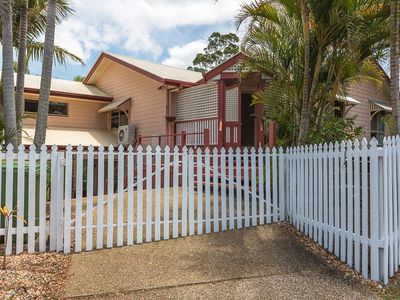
<point>248,121</point>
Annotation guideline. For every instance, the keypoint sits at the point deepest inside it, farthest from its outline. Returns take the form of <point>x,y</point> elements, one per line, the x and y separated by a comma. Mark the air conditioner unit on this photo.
<point>126,134</point>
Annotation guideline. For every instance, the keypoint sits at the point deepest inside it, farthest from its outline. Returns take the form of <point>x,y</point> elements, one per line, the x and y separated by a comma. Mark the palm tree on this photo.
<point>10,120</point>
<point>21,68</point>
<point>47,66</point>
<point>394,61</point>
<point>345,40</point>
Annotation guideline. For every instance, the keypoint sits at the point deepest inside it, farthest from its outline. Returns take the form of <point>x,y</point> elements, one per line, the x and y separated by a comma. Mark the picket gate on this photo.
<point>344,196</point>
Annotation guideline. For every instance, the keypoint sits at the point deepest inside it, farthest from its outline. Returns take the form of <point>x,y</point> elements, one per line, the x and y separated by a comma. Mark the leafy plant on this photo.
<point>8,216</point>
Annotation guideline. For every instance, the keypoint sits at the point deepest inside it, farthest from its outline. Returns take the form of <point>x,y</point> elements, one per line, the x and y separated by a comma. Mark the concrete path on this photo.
<point>255,263</point>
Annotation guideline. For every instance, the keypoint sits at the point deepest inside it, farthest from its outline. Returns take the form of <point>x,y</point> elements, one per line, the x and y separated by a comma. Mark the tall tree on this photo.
<point>394,61</point>
<point>10,120</point>
<point>47,67</point>
<point>220,47</point>
<point>305,108</point>
<point>21,69</point>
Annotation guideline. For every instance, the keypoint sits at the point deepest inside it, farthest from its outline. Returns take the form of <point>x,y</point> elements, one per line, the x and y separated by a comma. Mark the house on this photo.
<point>166,105</point>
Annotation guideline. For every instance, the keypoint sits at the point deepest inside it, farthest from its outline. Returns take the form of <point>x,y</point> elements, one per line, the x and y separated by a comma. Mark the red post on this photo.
<point>261,135</point>
<point>207,138</point>
<point>139,139</point>
<point>272,134</point>
<point>183,138</point>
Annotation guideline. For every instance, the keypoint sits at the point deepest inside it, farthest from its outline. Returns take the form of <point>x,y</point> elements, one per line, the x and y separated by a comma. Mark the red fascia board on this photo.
<point>139,70</point>
<point>71,95</point>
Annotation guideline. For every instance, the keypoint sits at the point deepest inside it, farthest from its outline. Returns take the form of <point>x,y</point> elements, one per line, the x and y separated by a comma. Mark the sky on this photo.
<point>171,32</point>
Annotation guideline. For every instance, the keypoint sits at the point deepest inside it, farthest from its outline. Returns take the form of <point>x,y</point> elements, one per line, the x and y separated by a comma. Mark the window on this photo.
<point>55,108</point>
<point>118,118</point>
<point>378,126</point>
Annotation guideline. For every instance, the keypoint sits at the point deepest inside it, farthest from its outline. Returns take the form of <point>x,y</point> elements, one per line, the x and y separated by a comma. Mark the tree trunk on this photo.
<point>43,106</point>
<point>305,107</point>
<point>394,61</point>
<point>19,95</point>
<point>10,120</point>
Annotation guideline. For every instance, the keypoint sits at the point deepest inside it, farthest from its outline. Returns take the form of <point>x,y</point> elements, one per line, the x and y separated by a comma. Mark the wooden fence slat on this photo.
<point>223,190</point>
<point>149,192</point>
<point>32,217</point>
<point>89,198</point>
<point>261,200</point>
<point>215,172</point>
<point>364,207</point>
<point>53,199</point>
<point>302,183</point>
<point>199,164</point>
<point>342,202</point>
<point>175,193</point>
<point>357,205</point>
<point>100,198</point>
<point>246,187</point>
<point>78,199</point>
<point>20,199</point>
<point>282,195</point>
<point>306,191</point>
<point>274,185</point>
<point>385,210</point>
<point>330,198</point>
<point>349,203</point>
<point>315,193</point>
<point>191,177</point>
<point>268,184</point>
<point>374,208</point>
<point>207,190</point>
<point>42,199</point>
<point>130,204</point>
<point>68,196</point>
<point>325,195</point>
<point>184,210</point>
<point>166,219</point>
<point>139,193</point>
<point>120,196</point>
<point>157,223</point>
<point>110,197</point>
<point>238,187</point>
<point>336,166</point>
<point>231,191</point>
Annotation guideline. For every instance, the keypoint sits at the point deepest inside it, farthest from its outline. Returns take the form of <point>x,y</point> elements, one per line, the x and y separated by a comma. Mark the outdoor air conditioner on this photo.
<point>126,134</point>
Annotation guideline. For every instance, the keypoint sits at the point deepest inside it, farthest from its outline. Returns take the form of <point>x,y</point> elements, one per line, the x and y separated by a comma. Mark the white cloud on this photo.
<point>182,56</point>
<point>132,25</point>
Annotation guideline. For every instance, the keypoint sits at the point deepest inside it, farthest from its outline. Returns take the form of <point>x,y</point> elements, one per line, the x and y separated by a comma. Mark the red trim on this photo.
<point>240,116</point>
<point>228,63</point>
<point>70,95</point>
<point>259,119</point>
<point>137,69</point>
<point>221,113</point>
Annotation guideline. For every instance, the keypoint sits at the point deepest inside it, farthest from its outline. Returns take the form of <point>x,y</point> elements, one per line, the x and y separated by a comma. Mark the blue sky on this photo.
<point>165,31</point>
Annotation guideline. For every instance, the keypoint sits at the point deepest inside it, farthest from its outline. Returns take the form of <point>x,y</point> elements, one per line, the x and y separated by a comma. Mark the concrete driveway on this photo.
<point>256,263</point>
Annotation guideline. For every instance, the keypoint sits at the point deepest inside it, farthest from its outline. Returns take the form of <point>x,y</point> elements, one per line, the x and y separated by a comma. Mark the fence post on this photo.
<point>183,138</point>
<point>207,138</point>
<point>282,156</point>
<point>53,198</point>
<point>374,210</point>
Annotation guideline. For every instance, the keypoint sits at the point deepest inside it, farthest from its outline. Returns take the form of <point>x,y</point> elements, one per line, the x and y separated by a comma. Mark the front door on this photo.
<point>248,121</point>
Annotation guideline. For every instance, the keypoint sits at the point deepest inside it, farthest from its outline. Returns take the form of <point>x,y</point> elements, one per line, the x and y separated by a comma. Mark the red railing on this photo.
<point>182,138</point>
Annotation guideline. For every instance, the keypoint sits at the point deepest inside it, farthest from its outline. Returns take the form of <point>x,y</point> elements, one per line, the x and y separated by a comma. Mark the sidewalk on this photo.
<point>256,263</point>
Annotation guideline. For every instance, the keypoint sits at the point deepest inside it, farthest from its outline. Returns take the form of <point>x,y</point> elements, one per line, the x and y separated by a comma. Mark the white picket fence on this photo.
<point>345,197</point>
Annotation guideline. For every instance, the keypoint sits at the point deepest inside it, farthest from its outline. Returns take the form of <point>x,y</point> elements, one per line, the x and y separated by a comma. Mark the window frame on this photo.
<point>50,103</point>
<point>120,113</point>
<point>379,134</point>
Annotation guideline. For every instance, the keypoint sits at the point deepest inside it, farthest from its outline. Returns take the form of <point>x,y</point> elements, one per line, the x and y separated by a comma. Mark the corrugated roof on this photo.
<point>64,86</point>
<point>160,70</point>
<point>73,136</point>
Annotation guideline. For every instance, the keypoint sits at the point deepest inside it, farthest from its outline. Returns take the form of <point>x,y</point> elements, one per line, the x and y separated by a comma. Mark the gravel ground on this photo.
<point>34,276</point>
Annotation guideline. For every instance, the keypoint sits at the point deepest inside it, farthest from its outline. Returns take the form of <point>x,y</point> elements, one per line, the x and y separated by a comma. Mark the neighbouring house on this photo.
<point>130,101</point>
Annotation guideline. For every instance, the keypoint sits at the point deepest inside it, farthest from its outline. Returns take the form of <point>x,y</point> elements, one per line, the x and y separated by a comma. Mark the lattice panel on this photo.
<point>198,102</point>
<point>236,68</point>
<point>231,106</point>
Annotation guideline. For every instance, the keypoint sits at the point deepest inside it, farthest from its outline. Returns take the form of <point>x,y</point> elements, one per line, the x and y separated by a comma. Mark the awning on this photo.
<point>348,100</point>
<point>376,105</point>
<point>113,105</point>
<point>73,136</point>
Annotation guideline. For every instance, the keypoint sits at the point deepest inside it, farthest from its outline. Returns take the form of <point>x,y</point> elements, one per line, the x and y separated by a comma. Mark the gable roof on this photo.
<point>65,88</point>
<point>225,65</point>
<point>162,73</point>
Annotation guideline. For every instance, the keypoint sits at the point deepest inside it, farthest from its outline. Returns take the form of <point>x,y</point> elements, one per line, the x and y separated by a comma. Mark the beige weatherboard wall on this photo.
<point>147,84</point>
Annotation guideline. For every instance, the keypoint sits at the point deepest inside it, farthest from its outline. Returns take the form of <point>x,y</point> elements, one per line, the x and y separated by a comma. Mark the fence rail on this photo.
<point>344,196</point>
